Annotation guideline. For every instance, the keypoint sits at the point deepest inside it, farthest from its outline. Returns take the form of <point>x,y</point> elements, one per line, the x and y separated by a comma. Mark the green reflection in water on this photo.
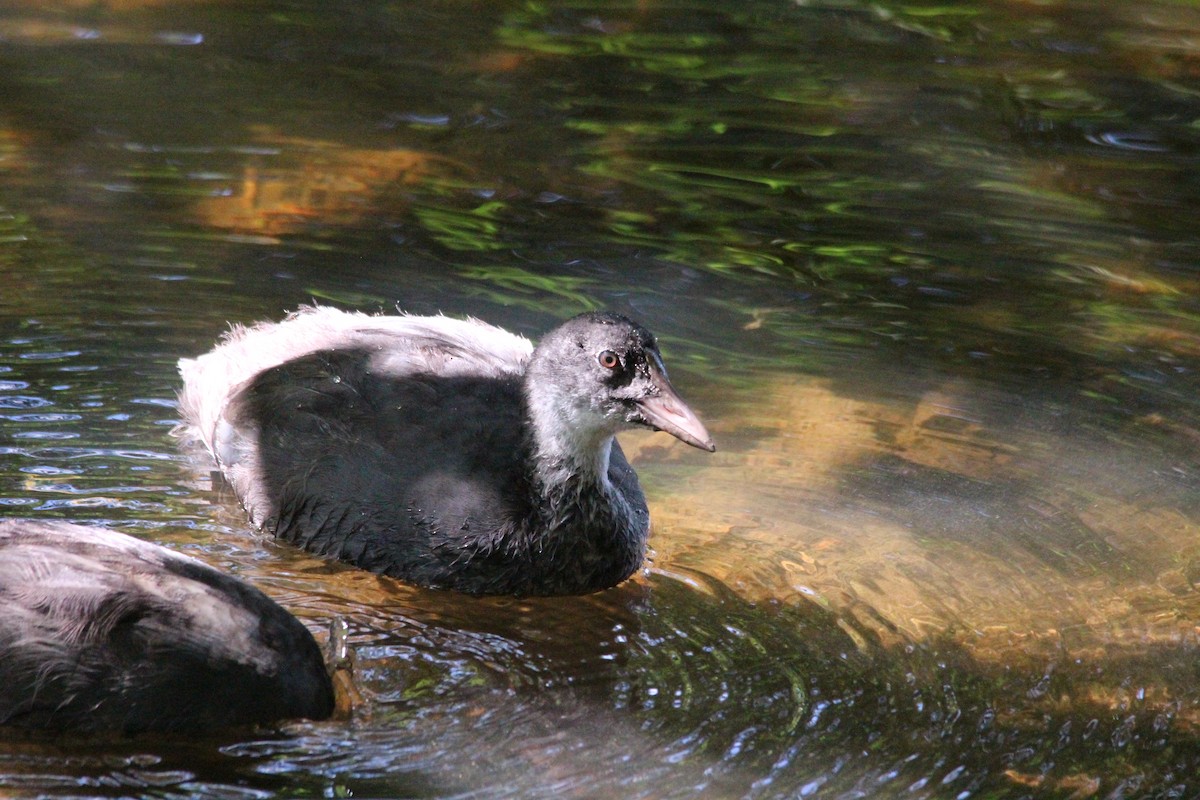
<point>709,182</point>
<point>535,290</point>
<point>475,229</point>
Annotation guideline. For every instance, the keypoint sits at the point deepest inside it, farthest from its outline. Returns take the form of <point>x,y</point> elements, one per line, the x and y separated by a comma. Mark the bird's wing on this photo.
<point>403,344</point>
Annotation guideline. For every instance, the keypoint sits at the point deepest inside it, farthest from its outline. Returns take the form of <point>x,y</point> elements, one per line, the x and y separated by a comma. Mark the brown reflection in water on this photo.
<point>1163,42</point>
<point>14,146</point>
<point>314,181</point>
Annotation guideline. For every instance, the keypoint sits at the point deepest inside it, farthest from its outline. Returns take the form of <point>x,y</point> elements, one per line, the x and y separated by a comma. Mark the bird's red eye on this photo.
<point>609,360</point>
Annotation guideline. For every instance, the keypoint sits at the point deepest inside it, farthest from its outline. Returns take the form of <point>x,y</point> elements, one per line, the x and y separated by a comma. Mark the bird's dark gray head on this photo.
<point>598,373</point>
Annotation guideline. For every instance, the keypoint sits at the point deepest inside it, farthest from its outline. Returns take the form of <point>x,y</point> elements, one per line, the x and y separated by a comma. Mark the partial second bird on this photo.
<point>102,632</point>
<point>449,453</point>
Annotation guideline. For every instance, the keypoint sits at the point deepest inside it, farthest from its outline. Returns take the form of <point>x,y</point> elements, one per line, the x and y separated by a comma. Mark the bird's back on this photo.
<point>103,632</point>
<point>409,475</point>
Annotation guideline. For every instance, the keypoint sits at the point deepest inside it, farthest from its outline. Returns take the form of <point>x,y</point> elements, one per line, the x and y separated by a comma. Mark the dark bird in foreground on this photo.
<point>449,453</point>
<point>104,632</point>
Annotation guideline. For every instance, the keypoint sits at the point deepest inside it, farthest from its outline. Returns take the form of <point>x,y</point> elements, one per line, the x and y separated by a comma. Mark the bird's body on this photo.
<point>445,452</point>
<point>104,632</point>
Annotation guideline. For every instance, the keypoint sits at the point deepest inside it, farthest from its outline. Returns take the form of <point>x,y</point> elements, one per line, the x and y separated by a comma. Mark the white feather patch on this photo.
<point>404,345</point>
<point>58,576</point>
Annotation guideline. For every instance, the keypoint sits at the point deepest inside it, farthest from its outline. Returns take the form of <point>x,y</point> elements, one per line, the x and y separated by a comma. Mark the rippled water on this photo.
<point>927,271</point>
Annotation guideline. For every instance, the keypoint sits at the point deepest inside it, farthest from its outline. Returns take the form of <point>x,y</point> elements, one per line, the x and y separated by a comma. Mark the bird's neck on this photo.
<point>563,462</point>
<point>567,442</point>
<point>587,535</point>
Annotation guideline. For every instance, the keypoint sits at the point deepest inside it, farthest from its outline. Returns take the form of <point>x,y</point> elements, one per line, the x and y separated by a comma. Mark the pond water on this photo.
<point>927,270</point>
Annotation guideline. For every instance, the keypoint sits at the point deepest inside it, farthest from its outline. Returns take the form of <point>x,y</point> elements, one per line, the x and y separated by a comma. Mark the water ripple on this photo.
<point>652,674</point>
<point>24,401</point>
<point>46,435</point>
<point>1137,141</point>
<point>66,488</point>
<point>50,355</point>
<point>94,501</point>
<point>72,453</point>
<point>47,470</point>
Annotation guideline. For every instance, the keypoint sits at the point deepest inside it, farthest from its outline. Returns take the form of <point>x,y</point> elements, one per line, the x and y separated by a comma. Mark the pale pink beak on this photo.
<point>666,411</point>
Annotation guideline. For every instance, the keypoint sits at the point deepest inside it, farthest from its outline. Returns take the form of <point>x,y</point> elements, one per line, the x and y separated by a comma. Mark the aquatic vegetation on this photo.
<point>471,230</point>
<point>513,282</point>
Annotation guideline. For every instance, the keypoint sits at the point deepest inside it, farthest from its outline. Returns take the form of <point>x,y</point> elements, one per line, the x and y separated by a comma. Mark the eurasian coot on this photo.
<point>104,632</point>
<point>449,453</point>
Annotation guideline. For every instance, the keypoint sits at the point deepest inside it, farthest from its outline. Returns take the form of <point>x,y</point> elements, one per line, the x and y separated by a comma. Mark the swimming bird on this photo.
<point>104,632</point>
<point>449,453</point>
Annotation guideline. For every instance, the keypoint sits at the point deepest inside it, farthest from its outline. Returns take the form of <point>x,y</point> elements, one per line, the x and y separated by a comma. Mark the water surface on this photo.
<point>928,271</point>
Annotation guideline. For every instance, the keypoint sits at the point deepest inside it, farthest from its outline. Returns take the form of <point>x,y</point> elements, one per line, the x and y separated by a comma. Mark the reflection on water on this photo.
<point>859,586</point>
<point>330,184</point>
<point>928,271</point>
